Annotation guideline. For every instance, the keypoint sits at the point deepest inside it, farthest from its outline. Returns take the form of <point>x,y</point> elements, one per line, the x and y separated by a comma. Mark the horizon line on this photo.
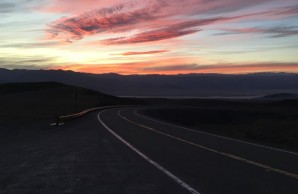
<point>148,74</point>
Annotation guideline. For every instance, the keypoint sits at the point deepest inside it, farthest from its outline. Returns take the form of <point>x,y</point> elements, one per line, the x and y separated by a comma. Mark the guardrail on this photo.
<point>60,120</point>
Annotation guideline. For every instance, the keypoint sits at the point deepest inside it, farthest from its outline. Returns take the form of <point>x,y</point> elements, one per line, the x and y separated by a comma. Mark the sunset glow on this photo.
<point>150,36</point>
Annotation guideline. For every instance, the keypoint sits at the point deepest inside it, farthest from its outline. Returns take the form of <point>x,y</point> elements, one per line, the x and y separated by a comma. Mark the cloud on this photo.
<point>26,62</point>
<point>101,20</point>
<point>172,67</point>
<point>171,7</point>
<point>145,17</point>
<point>169,32</point>
<point>144,53</point>
<point>281,31</point>
<point>269,66</point>
<point>257,49</point>
<point>7,7</point>
<point>274,32</point>
<point>154,35</point>
<point>94,23</point>
<point>10,6</point>
<point>77,6</point>
<point>30,45</point>
<point>287,11</point>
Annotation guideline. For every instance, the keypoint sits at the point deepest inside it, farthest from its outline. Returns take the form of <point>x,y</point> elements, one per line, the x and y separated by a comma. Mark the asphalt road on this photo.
<point>204,162</point>
<point>122,151</point>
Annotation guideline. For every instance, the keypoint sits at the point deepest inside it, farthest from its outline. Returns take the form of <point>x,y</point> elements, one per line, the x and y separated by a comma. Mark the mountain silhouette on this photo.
<point>256,84</point>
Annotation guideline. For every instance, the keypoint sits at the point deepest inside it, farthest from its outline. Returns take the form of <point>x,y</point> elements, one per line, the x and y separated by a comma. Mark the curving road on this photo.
<point>200,162</point>
<point>120,150</point>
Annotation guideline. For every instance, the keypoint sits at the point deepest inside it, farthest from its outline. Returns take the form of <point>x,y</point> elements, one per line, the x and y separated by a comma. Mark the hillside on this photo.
<point>48,99</point>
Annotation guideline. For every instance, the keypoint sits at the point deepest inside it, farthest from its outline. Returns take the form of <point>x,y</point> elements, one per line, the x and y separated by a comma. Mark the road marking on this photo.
<point>215,151</point>
<point>219,136</point>
<point>168,173</point>
<point>55,124</point>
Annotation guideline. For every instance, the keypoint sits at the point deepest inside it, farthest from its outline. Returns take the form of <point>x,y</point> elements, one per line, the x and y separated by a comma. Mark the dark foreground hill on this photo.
<point>48,99</point>
<point>258,84</point>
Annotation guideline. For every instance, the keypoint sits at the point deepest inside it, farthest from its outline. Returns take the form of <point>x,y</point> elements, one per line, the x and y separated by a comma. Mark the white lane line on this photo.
<point>168,173</point>
<point>215,151</point>
<point>219,136</point>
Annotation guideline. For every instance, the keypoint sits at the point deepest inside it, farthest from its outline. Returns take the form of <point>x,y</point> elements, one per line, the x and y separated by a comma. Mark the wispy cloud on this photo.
<point>171,7</point>
<point>274,32</point>
<point>154,35</point>
<point>287,11</point>
<point>257,49</point>
<point>6,7</point>
<point>144,52</point>
<point>173,67</point>
<point>26,62</point>
<point>30,45</point>
<point>169,32</point>
<point>10,6</point>
<point>102,20</point>
<point>224,67</point>
<point>152,19</point>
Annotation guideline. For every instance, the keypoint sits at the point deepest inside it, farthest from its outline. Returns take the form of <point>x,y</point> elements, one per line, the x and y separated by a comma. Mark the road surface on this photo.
<point>206,163</point>
<point>120,150</point>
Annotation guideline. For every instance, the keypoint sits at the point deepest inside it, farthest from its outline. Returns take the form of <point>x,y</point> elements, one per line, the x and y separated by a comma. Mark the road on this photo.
<point>120,150</point>
<point>206,163</point>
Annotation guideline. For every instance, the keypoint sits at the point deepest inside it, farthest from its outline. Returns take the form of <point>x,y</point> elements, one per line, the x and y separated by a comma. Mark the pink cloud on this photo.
<point>152,19</point>
<point>151,36</point>
<point>95,22</point>
<point>169,32</point>
<point>77,6</point>
<point>76,29</point>
<point>172,7</point>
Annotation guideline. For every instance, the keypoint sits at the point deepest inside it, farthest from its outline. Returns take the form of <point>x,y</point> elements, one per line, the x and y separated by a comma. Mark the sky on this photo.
<point>150,36</point>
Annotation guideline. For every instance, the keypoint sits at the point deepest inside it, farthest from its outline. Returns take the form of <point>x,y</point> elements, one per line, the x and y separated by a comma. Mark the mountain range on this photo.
<point>181,85</point>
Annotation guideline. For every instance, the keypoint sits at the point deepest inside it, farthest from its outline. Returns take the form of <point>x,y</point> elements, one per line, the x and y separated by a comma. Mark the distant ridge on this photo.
<point>197,85</point>
<point>282,96</point>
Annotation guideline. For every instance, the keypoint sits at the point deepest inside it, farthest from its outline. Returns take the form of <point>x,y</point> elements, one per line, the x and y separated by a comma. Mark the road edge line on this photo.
<point>162,169</point>
<point>282,172</point>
